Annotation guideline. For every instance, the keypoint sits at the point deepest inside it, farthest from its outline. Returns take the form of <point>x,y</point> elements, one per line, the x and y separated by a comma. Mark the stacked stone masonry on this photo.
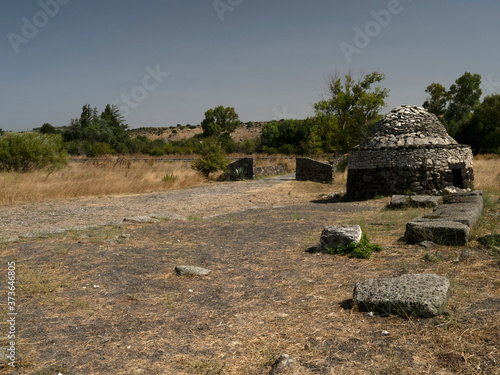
<point>251,171</point>
<point>408,151</point>
<point>312,170</point>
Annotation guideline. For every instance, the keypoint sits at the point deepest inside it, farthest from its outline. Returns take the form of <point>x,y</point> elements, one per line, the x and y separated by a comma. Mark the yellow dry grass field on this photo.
<point>108,177</point>
<point>487,173</point>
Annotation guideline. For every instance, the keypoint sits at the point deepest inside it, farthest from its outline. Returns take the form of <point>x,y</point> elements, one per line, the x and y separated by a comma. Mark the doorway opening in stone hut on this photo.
<point>456,170</point>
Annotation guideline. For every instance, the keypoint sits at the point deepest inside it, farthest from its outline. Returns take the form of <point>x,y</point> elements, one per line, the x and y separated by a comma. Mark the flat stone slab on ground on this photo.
<point>404,201</point>
<point>191,271</point>
<point>418,295</point>
<point>339,235</point>
<point>441,232</point>
<point>449,223</point>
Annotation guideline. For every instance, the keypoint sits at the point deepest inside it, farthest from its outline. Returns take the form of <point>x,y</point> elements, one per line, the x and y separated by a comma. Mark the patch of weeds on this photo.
<point>402,268</point>
<point>52,369</point>
<point>37,282</point>
<point>194,218</point>
<point>62,249</point>
<point>341,166</point>
<point>269,356</point>
<point>207,367</point>
<point>168,301</point>
<point>361,250</point>
<point>71,304</point>
<point>491,241</point>
<point>238,174</point>
<point>169,178</point>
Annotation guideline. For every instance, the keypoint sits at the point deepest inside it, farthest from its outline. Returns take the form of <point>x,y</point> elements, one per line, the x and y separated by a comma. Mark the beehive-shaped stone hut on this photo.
<point>409,150</point>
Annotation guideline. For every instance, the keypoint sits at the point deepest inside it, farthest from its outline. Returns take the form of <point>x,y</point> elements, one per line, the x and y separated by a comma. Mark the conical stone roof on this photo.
<point>408,126</point>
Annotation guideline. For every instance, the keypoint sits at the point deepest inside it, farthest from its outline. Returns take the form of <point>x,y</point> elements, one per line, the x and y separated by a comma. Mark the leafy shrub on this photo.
<point>22,152</point>
<point>238,174</point>
<point>212,158</point>
<point>169,178</point>
<point>361,250</point>
<point>342,165</point>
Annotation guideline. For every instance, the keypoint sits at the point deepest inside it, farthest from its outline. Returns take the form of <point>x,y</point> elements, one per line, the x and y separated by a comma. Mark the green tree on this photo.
<point>456,106</point>
<point>354,103</point>
<point>48,129</point>
<point>438,100</point>
<point>465,96</point>
<point>213,157</point>
<point>482,132</point>
<point>22,152</point>
<point>106,129</point>
<point>220,122</point>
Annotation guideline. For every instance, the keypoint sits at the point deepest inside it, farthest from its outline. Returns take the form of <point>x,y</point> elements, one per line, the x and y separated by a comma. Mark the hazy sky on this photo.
<point>167,62</point>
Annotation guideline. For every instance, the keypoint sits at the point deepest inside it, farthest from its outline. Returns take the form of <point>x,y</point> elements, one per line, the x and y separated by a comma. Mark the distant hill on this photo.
<point>245,131</point>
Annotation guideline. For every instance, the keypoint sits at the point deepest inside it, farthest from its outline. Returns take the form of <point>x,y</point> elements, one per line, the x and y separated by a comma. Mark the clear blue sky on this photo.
<point>266,58</point>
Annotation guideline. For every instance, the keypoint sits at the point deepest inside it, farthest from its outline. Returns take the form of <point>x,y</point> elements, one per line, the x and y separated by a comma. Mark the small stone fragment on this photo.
<point>191,271</point>
<point>284,361</point>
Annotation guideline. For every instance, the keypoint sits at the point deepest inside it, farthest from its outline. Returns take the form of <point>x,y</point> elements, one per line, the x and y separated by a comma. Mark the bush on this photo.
<point>361,250</point>
<point>342,165</point>
<point>212,158</point>
<point>22,152</point>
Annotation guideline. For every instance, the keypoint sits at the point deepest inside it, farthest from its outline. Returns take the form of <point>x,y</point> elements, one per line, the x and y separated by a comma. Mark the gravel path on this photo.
<point>31,220</point>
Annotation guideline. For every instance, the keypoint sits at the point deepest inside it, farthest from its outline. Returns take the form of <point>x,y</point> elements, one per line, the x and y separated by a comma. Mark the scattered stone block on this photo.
<point>449,223</point>
<point>427,244</point>
<point>140,219</point>
<point>341,235</point>
<point>191,271</point>
<point>404,201</point>
<point>399,201</point>
<point>439,231</point>
<point>281,364</point>
<point>418,295</point>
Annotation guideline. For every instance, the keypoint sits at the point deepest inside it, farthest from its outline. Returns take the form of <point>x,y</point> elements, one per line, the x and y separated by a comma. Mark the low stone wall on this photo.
<point>421,169</point>
<point>312,170</point>
<point>271,170</point>
<point>251,171</point>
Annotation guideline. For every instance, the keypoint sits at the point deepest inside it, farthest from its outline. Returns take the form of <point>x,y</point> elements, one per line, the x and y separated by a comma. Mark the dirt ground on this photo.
<point>106,300</point>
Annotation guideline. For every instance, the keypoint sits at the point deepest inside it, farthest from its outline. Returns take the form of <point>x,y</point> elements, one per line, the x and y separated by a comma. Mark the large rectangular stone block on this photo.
<point>442,232</point>
<point>419,295</point>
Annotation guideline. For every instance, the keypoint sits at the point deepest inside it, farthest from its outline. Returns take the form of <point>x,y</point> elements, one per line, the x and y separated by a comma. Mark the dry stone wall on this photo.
<point>251,171</point>
<point>311,170</point>
<point>409,151</point>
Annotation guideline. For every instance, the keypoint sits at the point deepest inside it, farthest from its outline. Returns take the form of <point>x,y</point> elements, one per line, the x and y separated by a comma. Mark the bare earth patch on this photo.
<point>108,301</point>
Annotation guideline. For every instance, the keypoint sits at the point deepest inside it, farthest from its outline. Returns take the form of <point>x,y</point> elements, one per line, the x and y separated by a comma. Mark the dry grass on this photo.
<point>109,177</point>
<point>487,173</point>
<point>122,176</point>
